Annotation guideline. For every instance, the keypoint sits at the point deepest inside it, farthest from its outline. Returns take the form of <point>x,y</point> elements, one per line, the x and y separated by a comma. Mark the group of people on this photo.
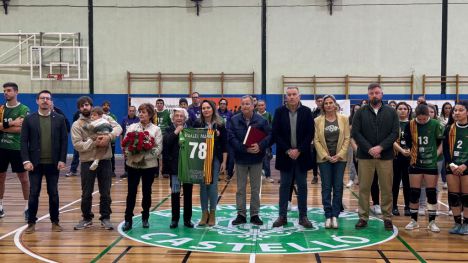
<point>385,141</point>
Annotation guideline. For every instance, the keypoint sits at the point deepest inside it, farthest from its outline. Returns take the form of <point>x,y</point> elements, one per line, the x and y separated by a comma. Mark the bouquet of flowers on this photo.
<point>136,145</point>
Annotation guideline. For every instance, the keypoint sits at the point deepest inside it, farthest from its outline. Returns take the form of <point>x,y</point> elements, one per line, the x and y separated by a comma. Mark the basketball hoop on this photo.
<point>55,76</point>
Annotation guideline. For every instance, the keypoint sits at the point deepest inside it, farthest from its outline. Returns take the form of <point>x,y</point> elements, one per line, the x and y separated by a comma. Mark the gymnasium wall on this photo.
<point>387,37</point>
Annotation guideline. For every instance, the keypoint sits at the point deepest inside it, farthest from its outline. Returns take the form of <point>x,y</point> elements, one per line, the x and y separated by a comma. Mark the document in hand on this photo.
<point>253,135</point>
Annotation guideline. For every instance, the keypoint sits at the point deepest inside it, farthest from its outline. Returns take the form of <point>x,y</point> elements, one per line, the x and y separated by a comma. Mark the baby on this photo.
<point>98,126</point>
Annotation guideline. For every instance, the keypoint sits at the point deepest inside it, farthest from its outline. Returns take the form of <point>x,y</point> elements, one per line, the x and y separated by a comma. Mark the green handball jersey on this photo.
<point>11,141</point>
<point>460,149</point>
<point>196,156</point>
<point>426,141</point>
<point>162,119</point>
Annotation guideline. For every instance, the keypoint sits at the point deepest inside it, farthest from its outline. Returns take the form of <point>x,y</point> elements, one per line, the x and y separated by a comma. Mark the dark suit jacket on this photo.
<point>31,139</point>
<point>282,137</point>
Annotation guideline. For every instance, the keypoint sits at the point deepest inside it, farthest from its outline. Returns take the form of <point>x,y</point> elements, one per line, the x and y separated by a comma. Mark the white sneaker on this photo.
<point>289,205</point>
<point>334,222</point>
<point>433,227</point>
<point>412,225</point>
<point>328,223</point>
<point>445,186</point>
<point>377,210</point>
<point>349,184</point>
<point>269,179</point>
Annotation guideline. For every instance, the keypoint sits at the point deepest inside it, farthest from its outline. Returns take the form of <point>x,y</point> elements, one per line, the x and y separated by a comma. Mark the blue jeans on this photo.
<point>210,191</point>
<point>285,186</point>
<point>35,179</point>
<point>332,180</point>
<point>75,161</point>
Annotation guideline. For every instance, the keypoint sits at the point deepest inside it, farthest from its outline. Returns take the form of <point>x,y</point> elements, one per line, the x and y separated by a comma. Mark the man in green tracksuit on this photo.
<point>162,118</point>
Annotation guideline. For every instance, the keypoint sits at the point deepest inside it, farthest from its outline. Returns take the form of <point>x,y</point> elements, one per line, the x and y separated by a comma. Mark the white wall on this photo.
<point>387,37</point>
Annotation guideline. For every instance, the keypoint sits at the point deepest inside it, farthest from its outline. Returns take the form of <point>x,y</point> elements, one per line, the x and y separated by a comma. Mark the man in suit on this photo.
<point>293,130</point>
<point>44,141</point>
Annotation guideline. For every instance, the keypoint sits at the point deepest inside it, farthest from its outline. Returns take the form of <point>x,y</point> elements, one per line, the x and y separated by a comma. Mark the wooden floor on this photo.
<point>96,244</point>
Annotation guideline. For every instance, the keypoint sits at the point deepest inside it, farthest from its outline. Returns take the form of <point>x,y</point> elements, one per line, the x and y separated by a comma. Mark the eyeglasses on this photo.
<point>45,98</point>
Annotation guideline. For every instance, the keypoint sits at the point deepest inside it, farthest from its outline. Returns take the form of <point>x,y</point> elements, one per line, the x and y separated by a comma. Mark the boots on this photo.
<point>212,219</point>
<point>175,206</point>
<point>204,219</point>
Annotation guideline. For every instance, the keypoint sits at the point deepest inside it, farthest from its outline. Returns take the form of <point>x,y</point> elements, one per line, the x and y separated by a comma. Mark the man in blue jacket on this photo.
<point>293,130</point>
<point>248,160</point>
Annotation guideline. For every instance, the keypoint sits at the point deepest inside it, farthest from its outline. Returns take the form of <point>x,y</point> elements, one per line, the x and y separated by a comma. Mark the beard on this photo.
<point>86,113</point>
<point>375,101</point>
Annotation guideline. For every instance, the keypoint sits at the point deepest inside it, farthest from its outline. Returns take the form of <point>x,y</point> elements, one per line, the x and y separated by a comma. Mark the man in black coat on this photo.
<point>44,141</point>
<point>293,131</point>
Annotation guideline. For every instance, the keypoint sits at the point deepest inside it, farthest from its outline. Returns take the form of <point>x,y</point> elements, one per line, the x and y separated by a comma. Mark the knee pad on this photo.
<point>464,199</point>
<point>431,194</point>
<point>454,199</point>
<point>414,195</point>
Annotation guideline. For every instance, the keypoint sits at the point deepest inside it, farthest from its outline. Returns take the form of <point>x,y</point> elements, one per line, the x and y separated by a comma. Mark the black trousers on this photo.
<point>147,179</point>
<point>400,173</point>
<point>35,180</point>
<point>104,176</point>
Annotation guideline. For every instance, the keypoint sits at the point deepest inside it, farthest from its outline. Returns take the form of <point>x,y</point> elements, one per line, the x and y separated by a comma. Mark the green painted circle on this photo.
<point>248,238</point>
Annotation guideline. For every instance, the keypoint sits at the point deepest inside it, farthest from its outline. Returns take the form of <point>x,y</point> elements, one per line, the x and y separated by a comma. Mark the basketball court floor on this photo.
<point>223,242</point>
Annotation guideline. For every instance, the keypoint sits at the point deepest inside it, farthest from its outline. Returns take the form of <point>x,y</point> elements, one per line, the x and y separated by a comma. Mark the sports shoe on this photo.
<point>315,180</point>
<point>2,213</point>
<point>433,227</point>
<point>395,211</point>
<point>328,223</point>
<point>377,210</point>
<point>413,224</point>
<point>455,229</point>
<point>240,219</point>
<point>106,223</point>
<point>71,174</point>
<point>56,227</point>
<point>30,229</point>
<point>350,184</point>
<point>256,220</point>
<point>463,229</point>
<point>334,222</point>
<point>269,179</point>
<point>445,186</point>
<point>289,205</point>
<point>83,224</point>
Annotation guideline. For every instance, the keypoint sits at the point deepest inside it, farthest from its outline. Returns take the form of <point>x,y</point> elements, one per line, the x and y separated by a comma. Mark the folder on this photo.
<point>253,135</point>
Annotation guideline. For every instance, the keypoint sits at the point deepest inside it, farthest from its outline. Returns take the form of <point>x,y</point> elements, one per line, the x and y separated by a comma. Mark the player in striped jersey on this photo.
<point>423,136</point>
<point>456,156</point>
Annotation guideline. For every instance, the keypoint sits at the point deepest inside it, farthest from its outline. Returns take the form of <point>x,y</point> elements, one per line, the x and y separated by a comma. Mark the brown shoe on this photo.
<point>281,221</point>
<point>30,229</point>
<point>212,218</point>
<point>361,224</point>
<point>305,222</point>
<point>388,224</point>
<point>56,227</point>
<point>204,219</point>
